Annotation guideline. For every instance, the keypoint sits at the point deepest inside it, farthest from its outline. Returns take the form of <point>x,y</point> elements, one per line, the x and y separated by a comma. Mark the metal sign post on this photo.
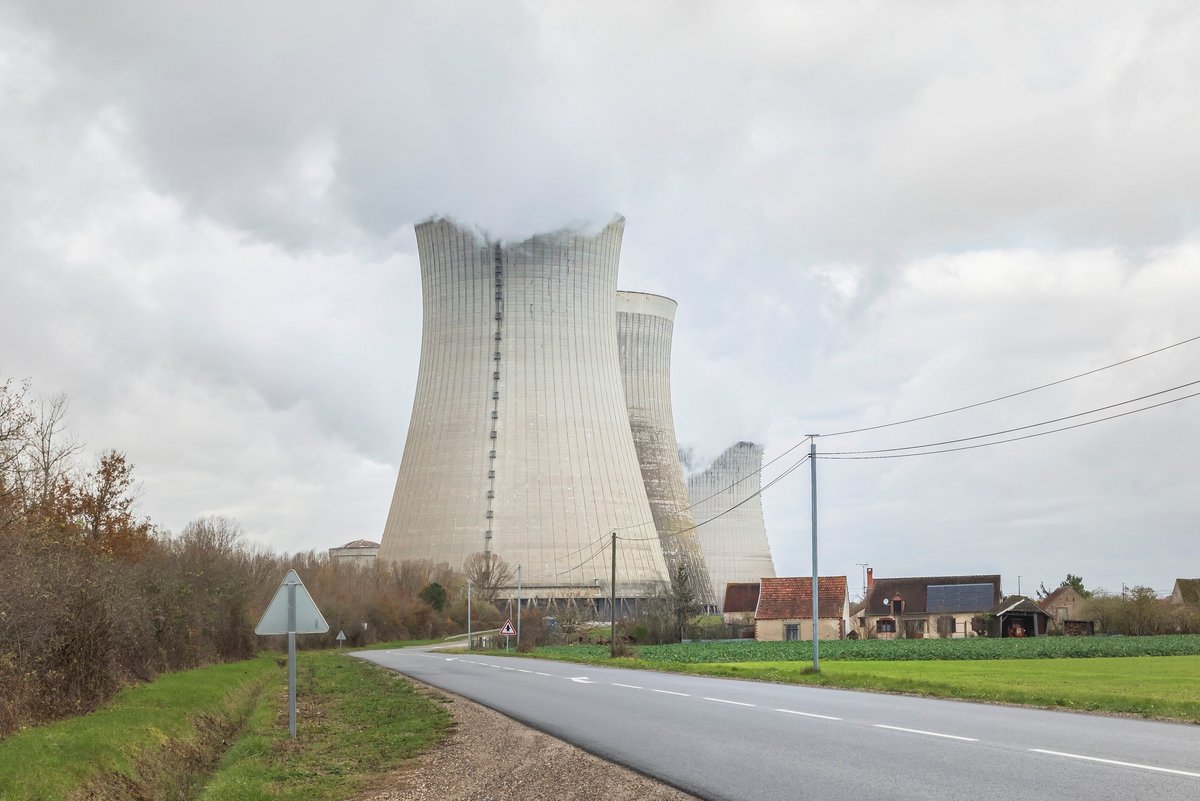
<point>291,612</point>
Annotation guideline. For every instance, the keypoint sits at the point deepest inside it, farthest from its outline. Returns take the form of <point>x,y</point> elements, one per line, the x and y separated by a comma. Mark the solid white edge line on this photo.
<point>808,714</point>
<point>671,692</point>
<point>723,701</point>
<point>630,686</point>
<point>929,733</point>
<point>1116,762</point>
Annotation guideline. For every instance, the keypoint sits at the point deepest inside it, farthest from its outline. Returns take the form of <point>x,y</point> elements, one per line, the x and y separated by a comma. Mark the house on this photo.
<point>1066,608</point>
<point>741,599</point>
<point>1186,592</point>
<point>927,606</point>
<point>785,608</point>
<point>1017,616</point>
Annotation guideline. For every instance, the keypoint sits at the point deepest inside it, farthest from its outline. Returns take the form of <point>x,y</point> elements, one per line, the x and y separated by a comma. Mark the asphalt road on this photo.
<point>742,740</point>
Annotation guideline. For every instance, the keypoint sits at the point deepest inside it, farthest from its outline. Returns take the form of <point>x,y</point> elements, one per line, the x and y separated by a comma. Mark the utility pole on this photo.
<point>518,606</point>
<point>816,636</point>
<point>612,600</point>
<point>470,646</point>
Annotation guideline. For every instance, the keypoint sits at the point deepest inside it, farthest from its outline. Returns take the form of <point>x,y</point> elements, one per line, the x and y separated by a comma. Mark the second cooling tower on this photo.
<point>645,324</point>
<point>519,442</point>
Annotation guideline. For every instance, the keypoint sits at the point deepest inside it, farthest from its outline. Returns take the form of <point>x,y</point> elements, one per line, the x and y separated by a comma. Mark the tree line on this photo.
<point>94,595</point>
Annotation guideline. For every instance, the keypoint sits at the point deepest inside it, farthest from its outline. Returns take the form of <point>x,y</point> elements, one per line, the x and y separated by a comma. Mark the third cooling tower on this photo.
<point>519,442</point>
<point>735,544</point>
<point>645,324</point>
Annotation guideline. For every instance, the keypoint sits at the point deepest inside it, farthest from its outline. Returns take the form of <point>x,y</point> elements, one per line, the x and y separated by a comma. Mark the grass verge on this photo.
<point>355,723</point>
<point>160,738</point>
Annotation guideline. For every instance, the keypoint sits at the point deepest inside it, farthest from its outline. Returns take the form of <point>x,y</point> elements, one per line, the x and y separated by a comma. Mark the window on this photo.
<point>885,625</point>
<point>791,631</point>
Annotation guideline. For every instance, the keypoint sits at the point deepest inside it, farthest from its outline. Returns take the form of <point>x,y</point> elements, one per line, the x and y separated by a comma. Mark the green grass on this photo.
<point>972,649</point>
<point>356,722</point>
<point>380,646</point>
<point>1154,686</point>
<point>49,761</point>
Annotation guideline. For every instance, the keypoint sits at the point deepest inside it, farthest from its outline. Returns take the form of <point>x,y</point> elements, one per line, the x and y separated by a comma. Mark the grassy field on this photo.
<point>174,714</point>
<point>172,738</point>
<point>355,722</point>
<point>972,649</point>
<point>1151,676</point>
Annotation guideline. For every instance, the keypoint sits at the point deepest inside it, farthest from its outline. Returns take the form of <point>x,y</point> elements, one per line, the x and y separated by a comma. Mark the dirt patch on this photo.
<point>490,757</point>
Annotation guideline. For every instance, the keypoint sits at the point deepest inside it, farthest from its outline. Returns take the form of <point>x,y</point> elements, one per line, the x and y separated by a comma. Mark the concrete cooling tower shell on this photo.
<point>519,442</point>
<point>735,545</point>
<point>645,324</point>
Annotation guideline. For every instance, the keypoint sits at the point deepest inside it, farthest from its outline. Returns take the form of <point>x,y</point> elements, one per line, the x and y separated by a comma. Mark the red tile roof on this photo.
<point>740,597</point>
<point>791,597</point>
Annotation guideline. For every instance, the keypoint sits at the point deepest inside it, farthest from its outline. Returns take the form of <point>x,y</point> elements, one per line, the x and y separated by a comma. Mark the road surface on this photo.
<point>742,740</point>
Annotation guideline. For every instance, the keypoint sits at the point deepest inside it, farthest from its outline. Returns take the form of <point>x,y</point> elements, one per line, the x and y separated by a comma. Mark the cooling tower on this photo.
<point>644,327</point>
<point>519,442</point>
<point>734,545</point>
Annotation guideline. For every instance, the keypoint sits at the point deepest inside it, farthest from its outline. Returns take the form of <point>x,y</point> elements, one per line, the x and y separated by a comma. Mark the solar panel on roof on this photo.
<point>959,598</point>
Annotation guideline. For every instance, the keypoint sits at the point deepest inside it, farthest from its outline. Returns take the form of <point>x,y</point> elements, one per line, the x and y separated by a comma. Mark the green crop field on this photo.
<point>975,648</point>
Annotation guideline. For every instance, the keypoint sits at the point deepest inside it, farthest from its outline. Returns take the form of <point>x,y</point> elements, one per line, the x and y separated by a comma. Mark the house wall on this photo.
<point>738,618</point>
<point>962,627</point>
<point>772,630</point>
<point>1068,606</point>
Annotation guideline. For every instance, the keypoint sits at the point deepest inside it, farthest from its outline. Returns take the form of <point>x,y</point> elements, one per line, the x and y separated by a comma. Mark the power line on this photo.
<point>1012,439</point>
<point>1012,394</point>
<point>595,553</point>
<point>1018,428</point>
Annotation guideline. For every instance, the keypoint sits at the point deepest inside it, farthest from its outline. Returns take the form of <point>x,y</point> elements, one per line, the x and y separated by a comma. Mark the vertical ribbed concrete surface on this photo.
<point>519,440</point>
<point>735,545</point>
<point>645,324</point>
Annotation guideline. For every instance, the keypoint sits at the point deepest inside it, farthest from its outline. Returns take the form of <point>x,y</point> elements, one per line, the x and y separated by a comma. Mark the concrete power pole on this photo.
<point>816,635</point>
<point>518,606</point>
<point>612,600</point>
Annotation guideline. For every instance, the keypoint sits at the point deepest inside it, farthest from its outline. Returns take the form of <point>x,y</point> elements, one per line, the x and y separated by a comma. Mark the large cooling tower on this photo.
<point>735,545</point>
<point>519,442</point>
<point>644,327</point>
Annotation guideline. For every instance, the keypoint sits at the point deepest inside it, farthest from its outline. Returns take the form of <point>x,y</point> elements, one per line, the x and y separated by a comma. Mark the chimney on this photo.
<point>870,577</point>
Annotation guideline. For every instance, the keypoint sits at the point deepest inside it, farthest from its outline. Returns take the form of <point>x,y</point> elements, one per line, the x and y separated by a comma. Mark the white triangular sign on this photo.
<point>341,635</point>
<point>308,618</point>
<point>508,629</point>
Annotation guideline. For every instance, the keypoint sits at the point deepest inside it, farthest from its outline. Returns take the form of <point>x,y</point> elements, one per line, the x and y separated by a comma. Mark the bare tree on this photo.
<point>49,451</point>
<point>488,574</point>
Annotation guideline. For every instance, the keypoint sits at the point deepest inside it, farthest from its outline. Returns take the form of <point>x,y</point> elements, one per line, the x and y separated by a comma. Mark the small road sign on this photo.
<point>292,611</point>
<point>508,630</point>
<point>341,635</point>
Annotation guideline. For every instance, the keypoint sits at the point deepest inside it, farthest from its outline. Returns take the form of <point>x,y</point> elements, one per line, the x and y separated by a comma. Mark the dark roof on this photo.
<point>740,597</point>
<point>1189,590</point>
<point>791,597</point>
<point>915,592</point>
<point>361,544</point>
<point>1018,604</point>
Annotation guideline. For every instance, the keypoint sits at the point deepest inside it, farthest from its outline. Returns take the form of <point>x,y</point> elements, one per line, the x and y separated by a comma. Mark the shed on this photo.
<point>1018,616</point>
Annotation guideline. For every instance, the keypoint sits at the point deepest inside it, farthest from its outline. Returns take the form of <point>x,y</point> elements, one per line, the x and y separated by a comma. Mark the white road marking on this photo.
<point>807,714</point>
<point>630,686</point>
<point>723,701</point>
<point>523,670</point>
<point>508,668</point>
<point>452,659</point>
<point>929,733</point>
<point>670,692</point>
<point>582,680</point>
<point>1116,762</point>
<point>547,674</point>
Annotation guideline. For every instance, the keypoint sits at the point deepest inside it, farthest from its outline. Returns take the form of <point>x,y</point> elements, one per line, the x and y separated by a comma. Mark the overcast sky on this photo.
<point>867,212</point>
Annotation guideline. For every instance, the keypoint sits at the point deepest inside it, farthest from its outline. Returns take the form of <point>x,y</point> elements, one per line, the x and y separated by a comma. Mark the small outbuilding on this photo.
<point>1018,616</point>
<point>741,599</point>
<point>785,608</point>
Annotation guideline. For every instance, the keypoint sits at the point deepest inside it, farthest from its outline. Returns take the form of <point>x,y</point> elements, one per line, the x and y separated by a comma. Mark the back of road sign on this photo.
<point>308,618</point>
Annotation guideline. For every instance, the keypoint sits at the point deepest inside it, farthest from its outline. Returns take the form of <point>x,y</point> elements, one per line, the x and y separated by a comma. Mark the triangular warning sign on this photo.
<point>308,618</point>
<point>508,629</point>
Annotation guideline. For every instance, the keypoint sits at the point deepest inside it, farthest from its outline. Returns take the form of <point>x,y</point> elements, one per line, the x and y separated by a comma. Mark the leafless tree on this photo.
<point>488,574</point>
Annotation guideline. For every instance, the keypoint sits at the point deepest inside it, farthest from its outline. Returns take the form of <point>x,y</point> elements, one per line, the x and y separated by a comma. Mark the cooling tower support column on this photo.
<point>645,324</point>
<point>519,352</point>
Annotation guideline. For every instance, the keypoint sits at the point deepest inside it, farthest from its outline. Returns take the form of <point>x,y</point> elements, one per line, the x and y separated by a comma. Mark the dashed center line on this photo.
<point>670,692</point>
<point>523,670</point>
<point>723,701</point>
<point>1116,762</point>
<point>807,714</point>
<point>630,686</point>
<point>547,674</point>
<point>928,733</point>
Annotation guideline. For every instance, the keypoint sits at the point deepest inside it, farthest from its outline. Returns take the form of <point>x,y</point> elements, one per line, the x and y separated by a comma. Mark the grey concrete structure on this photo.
<point>519,442</point>
<point>645,324</point>
<point>358,552</point>
<point>735,545</point>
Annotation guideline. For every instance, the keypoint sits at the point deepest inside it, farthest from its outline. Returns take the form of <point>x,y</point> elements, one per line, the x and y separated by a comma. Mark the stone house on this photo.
<point>1186,592</point>
<point>741,599</point>
<point>926,606</point>
<point>785,608</point>
<point>1066,609</point>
